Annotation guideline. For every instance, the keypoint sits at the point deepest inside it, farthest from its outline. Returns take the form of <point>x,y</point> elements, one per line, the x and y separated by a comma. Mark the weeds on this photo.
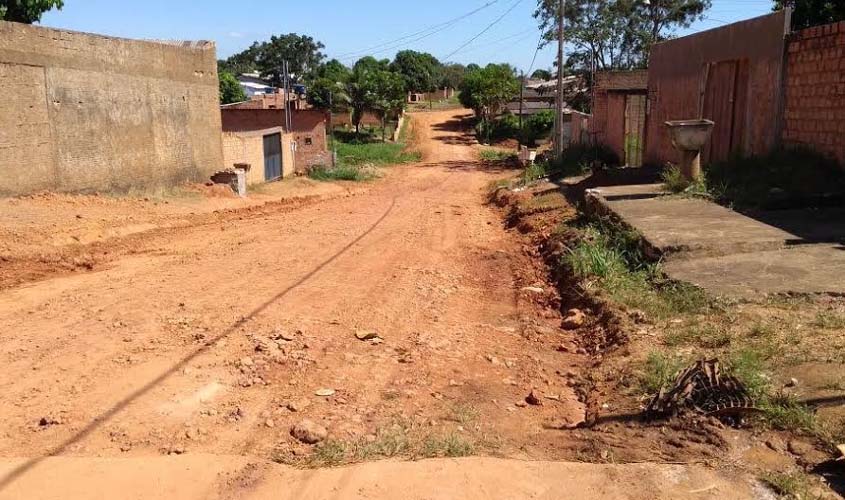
<point>449,445</point>
<point>659,370</point>
<point>376,153</point>
<point>784,178</point>
<point>490,154</point>
<point>829,321</point>
<point>610,256</point>
<point>532,172</point>
<point>795,486</point>
<point>674,180</point>
<point>340,173</point>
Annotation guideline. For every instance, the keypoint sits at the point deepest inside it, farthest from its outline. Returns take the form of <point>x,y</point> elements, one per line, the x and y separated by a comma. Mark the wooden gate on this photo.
<point>725,102</point>
<point>635,111</point>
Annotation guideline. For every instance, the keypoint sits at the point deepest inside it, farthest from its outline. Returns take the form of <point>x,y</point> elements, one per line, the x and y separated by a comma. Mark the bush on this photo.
<point>673,180</point>
<point>340,173</point>
<point>537,127</point>
<point>787,177</point>
<point>579,158</point>
<point>376,153</point>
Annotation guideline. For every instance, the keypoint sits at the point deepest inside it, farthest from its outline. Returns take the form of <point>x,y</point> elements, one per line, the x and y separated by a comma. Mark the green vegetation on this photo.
<point>829,320</point>
<point>489,154</point>
<point>374,153</point>
<point>793,486</point>
<point>401,439</point>
<point>807,13</point>
<point>487,89</point>
<point>609,257</point>
<point>787,177</point>
<point>580,158</point>
<point>340,173</point>
<point>658,371</point>
<point>26,11</point>
<point>230,88</point>
<point>302,53</point>
<point>449,445</point>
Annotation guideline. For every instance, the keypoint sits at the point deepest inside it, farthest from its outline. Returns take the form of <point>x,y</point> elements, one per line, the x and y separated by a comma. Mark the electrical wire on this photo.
<point>422,34</point>
<point>485,30</point>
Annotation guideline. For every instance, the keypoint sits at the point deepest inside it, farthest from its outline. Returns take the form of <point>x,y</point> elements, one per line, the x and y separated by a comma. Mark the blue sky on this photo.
<point>347,27</point>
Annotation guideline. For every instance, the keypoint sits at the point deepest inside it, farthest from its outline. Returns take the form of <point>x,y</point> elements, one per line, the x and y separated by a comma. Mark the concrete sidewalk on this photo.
<point>728,253</point>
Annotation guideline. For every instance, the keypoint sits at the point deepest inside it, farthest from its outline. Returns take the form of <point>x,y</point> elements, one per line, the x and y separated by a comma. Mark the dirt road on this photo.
<point>212,338</point>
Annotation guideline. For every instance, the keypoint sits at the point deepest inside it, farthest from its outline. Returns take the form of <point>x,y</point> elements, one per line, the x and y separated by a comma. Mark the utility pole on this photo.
<point>521,99</point>
<point>558,142</point>
<point>286,90</point>
<point>331,129</point>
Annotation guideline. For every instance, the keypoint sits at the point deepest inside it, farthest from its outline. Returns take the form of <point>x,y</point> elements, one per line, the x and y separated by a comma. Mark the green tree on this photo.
<point>451,75</point>
<point>329,85</point>
<point>27,11</point>
<point>359,86</point>
<point>301,52</point>
<point>242,62</point>
<point>808,13</point>
<point>541,74</point>
<point>486,90</point>
<point>421,71</point>
<point>230,88</point>
<point>617,34</point>
<point>385,95</point>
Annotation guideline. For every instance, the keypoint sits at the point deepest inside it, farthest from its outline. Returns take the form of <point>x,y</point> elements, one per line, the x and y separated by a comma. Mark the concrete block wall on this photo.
<point>815,90</point>
<point>85,112</point>
<point>240,148</point>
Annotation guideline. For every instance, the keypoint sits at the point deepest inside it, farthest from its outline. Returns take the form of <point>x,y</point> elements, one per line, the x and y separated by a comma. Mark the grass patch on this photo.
<point>829,321</point>
<point>794,485</point>
<point>340,173</point>
<point>673,180</point>
<point>609,256</point>
<point>490,154</point>
<point>448,445</point>
<point>374,153</point>
<point>659,370</point>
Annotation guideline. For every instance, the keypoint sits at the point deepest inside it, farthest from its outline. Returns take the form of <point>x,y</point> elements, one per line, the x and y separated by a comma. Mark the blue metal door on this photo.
<point>272,156</point>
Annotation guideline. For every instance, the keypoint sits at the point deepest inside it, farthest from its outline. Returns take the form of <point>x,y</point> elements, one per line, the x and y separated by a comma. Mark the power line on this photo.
<point>536,52</point>
<point>424,32</point>
<point>485,30</point>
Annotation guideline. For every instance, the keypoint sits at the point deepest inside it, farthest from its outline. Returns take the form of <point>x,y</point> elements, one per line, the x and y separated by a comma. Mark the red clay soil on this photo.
<point>200,333</point>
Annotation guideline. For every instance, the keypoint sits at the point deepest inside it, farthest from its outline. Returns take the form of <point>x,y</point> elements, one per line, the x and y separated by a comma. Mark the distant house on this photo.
<point>263,95</point>
<point>259,137</point>
<point>539,95</point>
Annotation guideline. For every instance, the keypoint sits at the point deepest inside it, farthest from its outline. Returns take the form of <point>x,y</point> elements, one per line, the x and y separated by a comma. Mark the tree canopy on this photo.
<point>541,74</point>
<point>302,53</point>
<point>230,88</point>
<point>420,70</point>
<point>27,11</point>
<point>808,13</point>
<point>452,75</point>
<point>486,90</point>
<point>616,34</point>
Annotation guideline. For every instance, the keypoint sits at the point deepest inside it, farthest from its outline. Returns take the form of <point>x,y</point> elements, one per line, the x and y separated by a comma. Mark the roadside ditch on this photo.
<point>643,329</point>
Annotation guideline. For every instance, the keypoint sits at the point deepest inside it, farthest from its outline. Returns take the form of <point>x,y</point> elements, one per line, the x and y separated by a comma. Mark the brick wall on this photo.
<point>309,131</point>
<point>85,112</point>
<point>308,126</point>
<point>815,90</point>
<point>248,147</point>
<point>682,69</point>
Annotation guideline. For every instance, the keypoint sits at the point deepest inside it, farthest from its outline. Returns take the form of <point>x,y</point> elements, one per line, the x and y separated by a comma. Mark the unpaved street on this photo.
<point>213,338</point>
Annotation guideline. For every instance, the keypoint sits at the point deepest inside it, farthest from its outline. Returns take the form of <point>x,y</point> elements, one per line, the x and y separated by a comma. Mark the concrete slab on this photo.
<point>806,269</point>
<point>677,227</point>
<point>731,254</point>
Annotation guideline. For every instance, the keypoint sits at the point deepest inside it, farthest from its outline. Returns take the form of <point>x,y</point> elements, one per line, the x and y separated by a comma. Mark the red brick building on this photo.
<point>308,130</point>
<point>815,90</point>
